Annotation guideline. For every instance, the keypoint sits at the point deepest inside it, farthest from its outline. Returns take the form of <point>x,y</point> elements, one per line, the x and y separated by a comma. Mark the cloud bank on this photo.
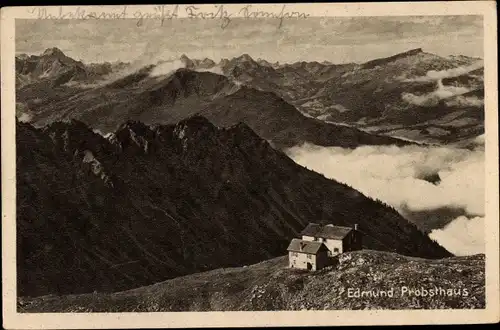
<point>444,91</point>
<point>167,67</point>
<point>23,114</point>
<point>450,73</point>
<point>215,69</point>
<point>25,118</point>
<point>462,236</point>
<point>399,177</point>
<point>432,99</point>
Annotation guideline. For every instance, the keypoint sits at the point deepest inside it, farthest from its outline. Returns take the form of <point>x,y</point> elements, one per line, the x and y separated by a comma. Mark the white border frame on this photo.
<point>14,320</point>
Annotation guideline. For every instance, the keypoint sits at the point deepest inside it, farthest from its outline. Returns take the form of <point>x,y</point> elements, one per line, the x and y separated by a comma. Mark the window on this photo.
<point>294,254</point>
<point>335,250</point>
<point>309,256</point>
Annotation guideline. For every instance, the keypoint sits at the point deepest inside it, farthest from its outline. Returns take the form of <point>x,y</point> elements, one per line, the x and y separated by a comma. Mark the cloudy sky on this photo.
<point>335,39</point>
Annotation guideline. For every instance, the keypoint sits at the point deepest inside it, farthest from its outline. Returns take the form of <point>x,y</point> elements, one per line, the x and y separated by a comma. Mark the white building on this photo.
<point>320,243</point>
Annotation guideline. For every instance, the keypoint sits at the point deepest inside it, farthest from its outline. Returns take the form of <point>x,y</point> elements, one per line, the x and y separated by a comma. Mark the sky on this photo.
<point>334,39</point>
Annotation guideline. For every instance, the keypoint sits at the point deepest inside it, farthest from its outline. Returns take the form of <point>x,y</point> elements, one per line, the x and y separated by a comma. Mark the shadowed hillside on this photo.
<point>145,204</point>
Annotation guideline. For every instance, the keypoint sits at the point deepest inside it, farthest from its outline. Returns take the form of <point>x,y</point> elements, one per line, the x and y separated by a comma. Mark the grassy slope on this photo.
<point>270,285</point>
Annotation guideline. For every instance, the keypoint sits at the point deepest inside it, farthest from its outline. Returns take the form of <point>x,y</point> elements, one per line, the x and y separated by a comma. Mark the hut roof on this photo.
<point>328,231</point>
<point>310,247</point>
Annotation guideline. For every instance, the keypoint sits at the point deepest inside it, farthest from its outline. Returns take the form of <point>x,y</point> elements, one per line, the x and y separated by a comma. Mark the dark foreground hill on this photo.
<point>150,203</point>
<point>415,283</point>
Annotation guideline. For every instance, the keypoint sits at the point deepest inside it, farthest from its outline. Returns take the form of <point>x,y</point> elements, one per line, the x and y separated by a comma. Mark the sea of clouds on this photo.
<point>396,175</point>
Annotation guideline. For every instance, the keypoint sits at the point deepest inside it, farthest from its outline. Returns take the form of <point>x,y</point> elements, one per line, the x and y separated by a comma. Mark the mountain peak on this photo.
<point>411,52</point>
<point>72,124</point>
<point>54,51</point>
<point>196,121</point>
<point>206,63</point>
<point>245,57</point>
<point>194,131</point>
<point>189,63</point>
<point>245,134</point>
<point>134,133</point>
<point>22,56</point>
<point>134,125</point>
<point>381,61</point>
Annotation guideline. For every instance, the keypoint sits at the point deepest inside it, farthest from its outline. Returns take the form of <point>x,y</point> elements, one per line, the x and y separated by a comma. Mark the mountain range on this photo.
<point>414,96</point>
<point>147,203</point>
<point>155,94</point>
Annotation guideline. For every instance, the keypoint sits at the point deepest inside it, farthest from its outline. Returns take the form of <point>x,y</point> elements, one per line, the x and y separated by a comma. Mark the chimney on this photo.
<point>355,226</point>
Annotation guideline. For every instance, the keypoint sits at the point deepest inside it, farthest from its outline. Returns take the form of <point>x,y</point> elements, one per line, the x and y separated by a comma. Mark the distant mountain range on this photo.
<point>55,68</point>
<point>147,203</point>
<point>166,98</point>
<point>413,95</point>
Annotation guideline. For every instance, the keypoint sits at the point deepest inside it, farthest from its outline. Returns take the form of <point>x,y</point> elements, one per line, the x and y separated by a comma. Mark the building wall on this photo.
<point>312,238</point>
<point>353,241</point>
<point>358,245</point>
<point>322,260</point>
<point>300,260</point>
<point>333,244</point>
<point>347,241</point>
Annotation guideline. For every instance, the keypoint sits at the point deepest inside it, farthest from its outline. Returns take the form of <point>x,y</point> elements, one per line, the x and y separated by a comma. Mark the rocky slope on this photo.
<point>145,204</point>
<point>415,283</point>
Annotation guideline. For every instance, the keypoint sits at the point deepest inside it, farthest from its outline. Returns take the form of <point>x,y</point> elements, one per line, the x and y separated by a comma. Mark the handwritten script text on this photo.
<point>163,13</point>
